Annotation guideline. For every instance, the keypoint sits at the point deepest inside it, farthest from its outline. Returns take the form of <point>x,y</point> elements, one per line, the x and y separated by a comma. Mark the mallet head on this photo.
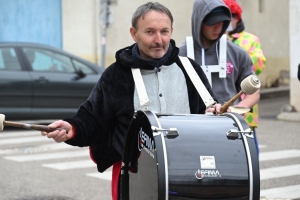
<point>2,119</point>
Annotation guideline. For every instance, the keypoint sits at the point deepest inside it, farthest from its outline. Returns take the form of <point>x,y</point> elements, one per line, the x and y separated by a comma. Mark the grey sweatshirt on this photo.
<point>238,62</point>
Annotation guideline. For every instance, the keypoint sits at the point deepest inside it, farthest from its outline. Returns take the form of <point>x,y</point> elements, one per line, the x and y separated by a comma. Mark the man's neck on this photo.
<point>206,42</point>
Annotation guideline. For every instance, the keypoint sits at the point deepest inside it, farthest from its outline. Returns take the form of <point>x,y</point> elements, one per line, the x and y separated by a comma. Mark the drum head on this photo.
<point>143,185</point>
<point>140,181</point>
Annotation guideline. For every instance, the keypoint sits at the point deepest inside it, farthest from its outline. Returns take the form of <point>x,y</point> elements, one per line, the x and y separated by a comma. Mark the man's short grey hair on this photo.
<point>147,7</point>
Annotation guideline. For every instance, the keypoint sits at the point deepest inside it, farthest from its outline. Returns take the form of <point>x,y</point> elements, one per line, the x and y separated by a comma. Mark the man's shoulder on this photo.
<point>114,72</point>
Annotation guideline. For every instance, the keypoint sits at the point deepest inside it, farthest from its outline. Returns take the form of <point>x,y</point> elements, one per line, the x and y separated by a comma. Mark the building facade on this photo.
<point>77,26</point>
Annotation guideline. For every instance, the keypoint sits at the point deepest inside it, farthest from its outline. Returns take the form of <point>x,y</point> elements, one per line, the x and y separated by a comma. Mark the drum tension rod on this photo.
<point>170,133</point>
<point>234,134</point>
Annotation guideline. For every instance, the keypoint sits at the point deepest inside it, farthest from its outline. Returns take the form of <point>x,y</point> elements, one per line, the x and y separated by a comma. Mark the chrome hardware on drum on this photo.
<point>172,157</point>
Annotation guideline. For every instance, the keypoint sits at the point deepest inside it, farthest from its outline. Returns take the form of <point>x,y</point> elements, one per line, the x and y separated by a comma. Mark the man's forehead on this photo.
<point>154,15</point>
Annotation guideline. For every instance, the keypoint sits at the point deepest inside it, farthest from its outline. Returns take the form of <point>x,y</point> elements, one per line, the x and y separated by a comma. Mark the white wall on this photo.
<point>269,20</point>
<point>294,36</point>
<point>81,29</point>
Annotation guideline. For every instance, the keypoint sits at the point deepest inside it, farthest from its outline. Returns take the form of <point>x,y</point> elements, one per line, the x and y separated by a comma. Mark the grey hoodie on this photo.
<point>238,62</point>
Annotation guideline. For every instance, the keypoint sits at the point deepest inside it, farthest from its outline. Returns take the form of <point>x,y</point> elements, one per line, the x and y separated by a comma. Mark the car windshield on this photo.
<point>43,60</point>
<point>8,59</point>
<point>85,69</point>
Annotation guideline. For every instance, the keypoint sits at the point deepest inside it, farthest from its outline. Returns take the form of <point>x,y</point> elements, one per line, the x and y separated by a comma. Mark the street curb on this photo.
<point>274,92</point>
<point>289,116</point>
<point>266,93</point>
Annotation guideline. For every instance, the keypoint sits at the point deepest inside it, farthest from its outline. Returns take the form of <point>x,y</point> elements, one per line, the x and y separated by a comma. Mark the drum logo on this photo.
<point>145,142</point>
<point>208,168</point>
<point>207,173</point>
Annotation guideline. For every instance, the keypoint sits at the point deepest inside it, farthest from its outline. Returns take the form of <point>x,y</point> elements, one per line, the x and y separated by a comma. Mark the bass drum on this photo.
<point>212,157</point>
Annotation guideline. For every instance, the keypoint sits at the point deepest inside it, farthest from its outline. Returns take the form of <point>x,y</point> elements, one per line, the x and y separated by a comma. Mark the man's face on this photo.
<point>213,32</point>
<point>153,34</point>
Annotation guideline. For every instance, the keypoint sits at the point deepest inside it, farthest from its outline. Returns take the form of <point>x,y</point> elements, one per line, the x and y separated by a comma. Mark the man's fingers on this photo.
<point>43,133</point>
<point>61,136</point>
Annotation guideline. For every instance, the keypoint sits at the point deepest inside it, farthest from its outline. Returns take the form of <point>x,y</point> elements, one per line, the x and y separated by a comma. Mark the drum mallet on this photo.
<point>248,86</point>
<point>22,125</point>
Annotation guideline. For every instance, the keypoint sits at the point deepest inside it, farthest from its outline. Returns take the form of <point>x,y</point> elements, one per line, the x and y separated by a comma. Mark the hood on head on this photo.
<point>201,9</point>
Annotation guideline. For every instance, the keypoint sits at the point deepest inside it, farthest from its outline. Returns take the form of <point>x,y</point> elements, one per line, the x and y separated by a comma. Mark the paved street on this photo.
<point>36,168</point>
<point>280,151</point>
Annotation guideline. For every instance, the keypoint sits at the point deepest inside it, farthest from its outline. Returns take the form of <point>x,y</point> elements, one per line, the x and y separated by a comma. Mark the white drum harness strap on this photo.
<point>203,92</point>
<point>140,87</point>
<point>208,69</point>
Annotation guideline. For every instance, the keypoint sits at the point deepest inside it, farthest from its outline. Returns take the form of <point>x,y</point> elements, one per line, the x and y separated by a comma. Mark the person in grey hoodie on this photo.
<point>210,20</point>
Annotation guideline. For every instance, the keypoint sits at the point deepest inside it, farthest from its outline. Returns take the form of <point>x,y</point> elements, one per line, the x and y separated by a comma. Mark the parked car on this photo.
<point>42,82</point>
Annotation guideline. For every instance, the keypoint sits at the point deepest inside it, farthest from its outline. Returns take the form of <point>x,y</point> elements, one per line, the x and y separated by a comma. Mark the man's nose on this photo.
<point>158,38</point>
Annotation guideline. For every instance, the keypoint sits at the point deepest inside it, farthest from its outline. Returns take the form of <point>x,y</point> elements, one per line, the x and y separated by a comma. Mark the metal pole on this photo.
<point>105,4</point>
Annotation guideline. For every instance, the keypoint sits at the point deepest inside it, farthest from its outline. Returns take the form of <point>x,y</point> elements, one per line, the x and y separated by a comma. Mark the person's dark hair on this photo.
<point>147,7</point>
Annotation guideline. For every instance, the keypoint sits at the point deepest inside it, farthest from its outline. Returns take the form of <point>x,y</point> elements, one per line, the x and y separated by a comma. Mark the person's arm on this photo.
<point>64,133</point>
<point>92,122</point>
<point>246,62</point>
<point>250,100</point>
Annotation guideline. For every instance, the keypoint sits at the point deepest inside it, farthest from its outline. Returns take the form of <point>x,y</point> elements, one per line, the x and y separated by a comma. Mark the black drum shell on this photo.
<point>205,136</point>
<point>184,178</point>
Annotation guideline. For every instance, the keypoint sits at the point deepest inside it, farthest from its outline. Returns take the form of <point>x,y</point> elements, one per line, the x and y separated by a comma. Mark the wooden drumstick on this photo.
<point>249,86</point>
<point>25,126</point>
<point>230,102</point>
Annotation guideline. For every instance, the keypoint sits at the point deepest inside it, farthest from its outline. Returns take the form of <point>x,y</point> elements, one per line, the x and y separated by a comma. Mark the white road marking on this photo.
<point>279,172</point>
<point>262,146</point>
<point>71,165</point>
<point>23,140</point>
<point>48,156</point>
<point>42,148</point>
<point>288,192</point>
<point>107,175</point>
<point>275,155</point>
<point>19,134</point>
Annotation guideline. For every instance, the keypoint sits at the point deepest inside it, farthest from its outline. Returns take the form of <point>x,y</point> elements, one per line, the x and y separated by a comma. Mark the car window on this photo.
<point>84,68</point>
<point>8,59</point>
<point>43,60</point>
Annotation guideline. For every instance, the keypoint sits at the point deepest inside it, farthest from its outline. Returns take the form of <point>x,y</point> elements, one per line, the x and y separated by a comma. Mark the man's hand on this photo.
<point>214,108</point>
<point>63,133</point>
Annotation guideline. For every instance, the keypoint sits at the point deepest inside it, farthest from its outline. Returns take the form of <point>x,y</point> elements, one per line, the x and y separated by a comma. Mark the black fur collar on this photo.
<point>129,57</point>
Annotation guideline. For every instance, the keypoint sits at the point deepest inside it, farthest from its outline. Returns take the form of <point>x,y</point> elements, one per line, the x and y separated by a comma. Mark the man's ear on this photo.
<point>133,33</point>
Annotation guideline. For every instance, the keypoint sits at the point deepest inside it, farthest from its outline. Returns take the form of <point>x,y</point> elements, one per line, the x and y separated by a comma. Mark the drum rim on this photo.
<point>247,149</point>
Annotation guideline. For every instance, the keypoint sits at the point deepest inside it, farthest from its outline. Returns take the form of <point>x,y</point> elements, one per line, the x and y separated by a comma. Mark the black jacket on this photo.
<point>102,121</point>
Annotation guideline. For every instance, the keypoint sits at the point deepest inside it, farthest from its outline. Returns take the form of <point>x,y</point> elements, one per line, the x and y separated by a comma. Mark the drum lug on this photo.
<point>169,133</point>
<point>234,134</point>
